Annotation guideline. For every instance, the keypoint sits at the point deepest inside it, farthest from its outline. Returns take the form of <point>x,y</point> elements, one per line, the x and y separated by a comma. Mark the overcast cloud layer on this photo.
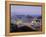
<point>25,10</point>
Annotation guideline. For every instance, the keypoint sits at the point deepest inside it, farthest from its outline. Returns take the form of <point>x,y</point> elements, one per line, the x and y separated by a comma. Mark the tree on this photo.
<point>28,16</point>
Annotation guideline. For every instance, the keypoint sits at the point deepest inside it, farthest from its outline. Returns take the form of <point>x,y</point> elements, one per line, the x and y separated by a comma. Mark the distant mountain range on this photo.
<point>19,16</point>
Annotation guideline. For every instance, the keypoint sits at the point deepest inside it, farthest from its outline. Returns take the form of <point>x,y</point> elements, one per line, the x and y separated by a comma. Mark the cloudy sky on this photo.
<point>25,10</point>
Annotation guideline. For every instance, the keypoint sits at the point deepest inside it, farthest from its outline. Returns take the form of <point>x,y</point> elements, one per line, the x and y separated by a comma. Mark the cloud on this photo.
<point>25,10</point>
